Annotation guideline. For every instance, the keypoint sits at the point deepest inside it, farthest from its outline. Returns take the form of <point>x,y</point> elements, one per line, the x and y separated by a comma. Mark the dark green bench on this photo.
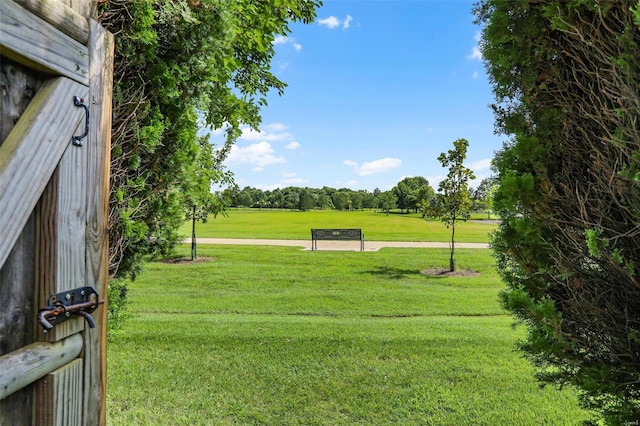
<point>353,234</point>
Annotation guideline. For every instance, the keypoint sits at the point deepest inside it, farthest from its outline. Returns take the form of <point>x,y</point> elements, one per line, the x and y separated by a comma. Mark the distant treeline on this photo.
<point>410,194</point>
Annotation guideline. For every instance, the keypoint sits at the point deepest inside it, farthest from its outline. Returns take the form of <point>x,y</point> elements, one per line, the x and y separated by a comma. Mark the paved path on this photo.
<point>336,245</point>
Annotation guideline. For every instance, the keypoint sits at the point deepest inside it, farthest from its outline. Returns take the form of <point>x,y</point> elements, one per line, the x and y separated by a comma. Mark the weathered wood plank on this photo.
<point>86,8</point>
<point>31,152</point>
<point>62,236</point>
<point>101,45</point>
<point>59,396</point>
<point>35,43</point>
<point>28,364</point>
<point>18,85</point>
<point>17,287</point>
<point>60,16</point>
<point>17,276</point>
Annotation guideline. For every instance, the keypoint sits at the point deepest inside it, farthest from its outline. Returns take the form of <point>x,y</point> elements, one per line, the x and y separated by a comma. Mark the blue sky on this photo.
<point>376,91</point>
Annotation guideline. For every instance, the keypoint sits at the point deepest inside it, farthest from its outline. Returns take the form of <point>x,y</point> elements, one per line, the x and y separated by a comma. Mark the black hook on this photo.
<point>77,140</point>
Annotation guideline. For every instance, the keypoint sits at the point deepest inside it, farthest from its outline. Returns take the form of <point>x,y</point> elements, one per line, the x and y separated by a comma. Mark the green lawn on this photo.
<point>296,225</point>
<point>280,336</point>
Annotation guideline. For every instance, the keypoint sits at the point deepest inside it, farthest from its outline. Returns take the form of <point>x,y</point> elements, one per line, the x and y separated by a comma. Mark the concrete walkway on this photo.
<point>336,245</point>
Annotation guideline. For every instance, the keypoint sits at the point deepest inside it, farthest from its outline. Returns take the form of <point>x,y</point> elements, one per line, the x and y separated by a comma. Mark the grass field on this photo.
<point>280,336</point>
<point>296,225</point>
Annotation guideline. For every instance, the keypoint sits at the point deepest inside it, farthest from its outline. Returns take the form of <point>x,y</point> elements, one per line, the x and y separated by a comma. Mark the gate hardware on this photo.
<point>81,301</point>
<point>77,140</point>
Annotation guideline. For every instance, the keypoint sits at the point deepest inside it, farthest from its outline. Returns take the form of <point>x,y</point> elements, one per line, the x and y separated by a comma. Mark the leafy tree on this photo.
<point>198,200</point>
<point>483,196</point>
<point>244,198</point>
<point>387,201</point>
<point>324,201</point>
<point>306,202</point>
<point>566,78</point>
<point>356,199</point>
<point>341,200</point>
<point>456,203</point>
<point>368,199</point>
<point>424,195</point>
<point>406,191</point>
<point>291,197</point>
<point>177,63</point>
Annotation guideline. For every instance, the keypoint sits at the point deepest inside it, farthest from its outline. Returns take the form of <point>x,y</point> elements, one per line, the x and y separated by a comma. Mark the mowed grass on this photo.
<point>280,336</point>
<point>296,225</point>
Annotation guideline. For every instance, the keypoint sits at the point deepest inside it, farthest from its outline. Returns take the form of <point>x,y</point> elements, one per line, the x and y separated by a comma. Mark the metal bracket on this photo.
<point>81,301</point>
<point>77,140</point>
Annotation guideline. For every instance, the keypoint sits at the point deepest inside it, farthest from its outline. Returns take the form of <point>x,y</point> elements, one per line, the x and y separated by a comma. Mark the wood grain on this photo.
<point>101,45</point>
<point>31,362</point>
<point>60,16</point>
<point>18,85</point>
<point>37,44</point>
<point>31,152</point>
<point>59,396</point>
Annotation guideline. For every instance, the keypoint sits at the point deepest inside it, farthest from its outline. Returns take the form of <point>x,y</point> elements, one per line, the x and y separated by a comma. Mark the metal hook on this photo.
<point>77,140</point>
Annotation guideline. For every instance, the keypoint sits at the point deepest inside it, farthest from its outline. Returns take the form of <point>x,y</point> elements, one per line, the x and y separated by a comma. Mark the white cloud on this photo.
<point>283,66</point>
<point>293,145</point>
<point>476,54</point>
<point>475,74</point>
<point>348,184</point>
<point>270,187</point>
<point>271,132</point>
<point>280,39</point>
<point>375,166</point>
<point>480,165</point>
<point>333,22</point>
<point>294,181</point>
<point>275,127</point>
<point>260,154</point>
<point>347,21</point>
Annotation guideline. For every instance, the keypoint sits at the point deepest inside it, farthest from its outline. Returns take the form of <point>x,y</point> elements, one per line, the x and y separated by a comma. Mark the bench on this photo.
<point>336,235</point>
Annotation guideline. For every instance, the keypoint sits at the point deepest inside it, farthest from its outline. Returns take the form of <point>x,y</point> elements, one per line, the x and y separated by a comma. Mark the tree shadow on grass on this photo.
<point>393,273</point>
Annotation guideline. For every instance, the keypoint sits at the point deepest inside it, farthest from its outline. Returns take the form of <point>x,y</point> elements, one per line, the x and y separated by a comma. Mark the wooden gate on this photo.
<point>53,208</point>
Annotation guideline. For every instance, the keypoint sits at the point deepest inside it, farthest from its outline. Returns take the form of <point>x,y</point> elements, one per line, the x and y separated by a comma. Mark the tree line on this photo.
<point>411,194</point>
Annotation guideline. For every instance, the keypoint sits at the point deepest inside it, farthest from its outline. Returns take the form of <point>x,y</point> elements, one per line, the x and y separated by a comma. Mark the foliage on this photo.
<point>198,200</point>
<point>280,336</point>
<point>410,190</point>
<point>118,313</point>
<point>483,195</point>
<point>177,63</point>
<point>566,77</point>
<point>387,201</point>
<point>455,201</point>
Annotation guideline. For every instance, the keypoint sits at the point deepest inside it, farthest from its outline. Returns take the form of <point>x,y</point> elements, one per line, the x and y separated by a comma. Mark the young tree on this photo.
<point>566,78</point>
<point>455,191</point>
<point>198,200</point>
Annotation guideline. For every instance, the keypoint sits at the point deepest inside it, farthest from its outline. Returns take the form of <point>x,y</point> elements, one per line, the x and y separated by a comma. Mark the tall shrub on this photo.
<point>566,78</point>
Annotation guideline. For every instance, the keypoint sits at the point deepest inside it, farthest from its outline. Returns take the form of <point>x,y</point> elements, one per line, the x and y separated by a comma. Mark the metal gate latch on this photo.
<point>81,301</point>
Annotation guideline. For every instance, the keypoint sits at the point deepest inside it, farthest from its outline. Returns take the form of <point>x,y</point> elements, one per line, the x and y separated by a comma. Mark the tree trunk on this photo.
<point>452,247</point>
<point>194,253</point>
